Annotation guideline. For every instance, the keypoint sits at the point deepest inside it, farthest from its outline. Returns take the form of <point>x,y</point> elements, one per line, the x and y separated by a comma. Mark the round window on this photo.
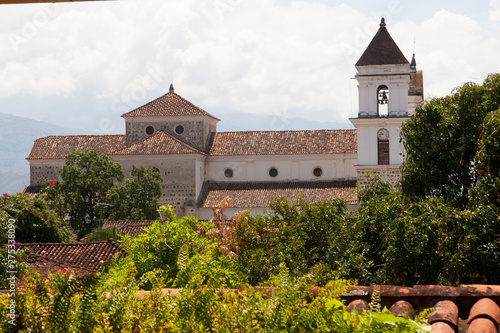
<point>318,172</point>
<point>150,130</point>
<point>273,172</point>
<point>179,129</point>
<point>228,173</point>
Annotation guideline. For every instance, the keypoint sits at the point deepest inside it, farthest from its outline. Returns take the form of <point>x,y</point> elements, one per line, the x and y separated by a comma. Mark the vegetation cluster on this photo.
<point>441,226</point>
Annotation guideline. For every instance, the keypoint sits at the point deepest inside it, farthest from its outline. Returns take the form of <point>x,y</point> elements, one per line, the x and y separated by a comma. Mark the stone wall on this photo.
<point>391,174</point>
<point>42,172</point>
<point>196,132</point>
<point>178,180</point>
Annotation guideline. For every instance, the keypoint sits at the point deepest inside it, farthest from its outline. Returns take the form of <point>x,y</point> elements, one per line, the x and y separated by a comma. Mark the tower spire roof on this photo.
<point>382,50</point>
<point>413,64</point>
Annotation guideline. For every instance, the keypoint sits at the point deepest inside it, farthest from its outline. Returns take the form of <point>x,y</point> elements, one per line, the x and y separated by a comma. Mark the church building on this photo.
<point>199,166</point>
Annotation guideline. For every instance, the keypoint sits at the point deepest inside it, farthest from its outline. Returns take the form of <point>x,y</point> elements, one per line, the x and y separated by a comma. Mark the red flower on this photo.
<point>52,182</point>
<point>6,195</point>
<point>64,270</point>
<point>42,214</point>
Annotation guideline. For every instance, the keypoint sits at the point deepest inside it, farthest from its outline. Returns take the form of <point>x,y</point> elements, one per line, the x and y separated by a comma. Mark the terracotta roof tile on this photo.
<point>31,190</point>
<point>358,304</point>
<point>283,142</point>
<point>160,143</point>
<point>131,228</point>
<point>402,308</point>
<point>382,50</point>
<point>169,104</point>
<point>485,308</point>
<point>452,305</point>
<point>445,312</point>
<point>57,147</point>
<point>260,194</point>
<point>87,256</point>
<point>45,266</point>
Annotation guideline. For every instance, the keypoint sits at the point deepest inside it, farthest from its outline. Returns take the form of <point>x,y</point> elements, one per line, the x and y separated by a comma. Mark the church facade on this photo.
<point>199,166</point>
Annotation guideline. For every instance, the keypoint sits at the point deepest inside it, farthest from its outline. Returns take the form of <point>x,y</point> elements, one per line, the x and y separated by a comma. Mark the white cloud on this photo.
<point>494,13</point>
<point>225,55</point>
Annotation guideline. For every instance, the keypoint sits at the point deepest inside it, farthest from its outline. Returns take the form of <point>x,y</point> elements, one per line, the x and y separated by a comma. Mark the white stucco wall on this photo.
<point>290,167</point>
<point>395,77</point>
<point>367,139</point>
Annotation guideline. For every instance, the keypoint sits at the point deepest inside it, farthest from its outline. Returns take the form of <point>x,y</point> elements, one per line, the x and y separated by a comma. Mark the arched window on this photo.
<point>382,101</point>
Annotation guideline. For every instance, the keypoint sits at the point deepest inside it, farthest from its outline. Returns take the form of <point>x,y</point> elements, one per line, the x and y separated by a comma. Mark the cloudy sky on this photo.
<point>82,65</point>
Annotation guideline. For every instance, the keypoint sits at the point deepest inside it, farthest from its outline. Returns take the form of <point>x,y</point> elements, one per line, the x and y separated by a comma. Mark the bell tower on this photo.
<point>384,77</point>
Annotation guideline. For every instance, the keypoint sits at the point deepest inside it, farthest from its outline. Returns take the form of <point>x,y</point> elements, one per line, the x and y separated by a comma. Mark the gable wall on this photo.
<point>197,130</point>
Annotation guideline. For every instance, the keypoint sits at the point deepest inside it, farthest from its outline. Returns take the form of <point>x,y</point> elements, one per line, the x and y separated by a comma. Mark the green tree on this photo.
<point>81,195</point>
<point>137,198</point>
<point>35,222</point>
<point>302,236</point>
<point>451,144</point>
<point>426,241</point>
<point>25,219</point>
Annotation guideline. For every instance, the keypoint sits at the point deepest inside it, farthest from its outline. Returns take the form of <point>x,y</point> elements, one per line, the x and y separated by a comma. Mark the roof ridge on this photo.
<point>78,135</point>
<point>283,131</point>
<point>111,240</point>
<point>150,107</point>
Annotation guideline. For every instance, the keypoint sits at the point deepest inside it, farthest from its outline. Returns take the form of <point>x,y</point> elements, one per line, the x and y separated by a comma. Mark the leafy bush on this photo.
<point>102,234</point>
<point>67,303</point>
<point>35,220</point>
<point>302,236</point>
<point>180,250</point>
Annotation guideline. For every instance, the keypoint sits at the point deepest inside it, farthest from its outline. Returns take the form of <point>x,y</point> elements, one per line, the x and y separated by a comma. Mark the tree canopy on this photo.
<point>137,198</point>
<point>35,221</point>
<point>452,145</point>
<point>90,193</point>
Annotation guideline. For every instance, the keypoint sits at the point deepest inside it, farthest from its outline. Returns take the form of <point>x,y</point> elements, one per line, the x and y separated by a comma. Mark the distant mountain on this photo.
<point>254,122</point>
<point>17,135</point>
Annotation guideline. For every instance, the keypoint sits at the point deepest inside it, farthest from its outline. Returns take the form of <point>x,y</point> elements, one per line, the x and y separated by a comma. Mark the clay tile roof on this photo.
<point>45,266</point>
<point>464,309</point>
<point>160,143</point>
<point>31,190</point>
<point>485,308</point>
<point>89,257</point>
<point>382,50</point>
<point>169,104</point>
<point>57,147</point>
<point>260,194</point>
<point>131,228</point>
<point>283,142</point>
